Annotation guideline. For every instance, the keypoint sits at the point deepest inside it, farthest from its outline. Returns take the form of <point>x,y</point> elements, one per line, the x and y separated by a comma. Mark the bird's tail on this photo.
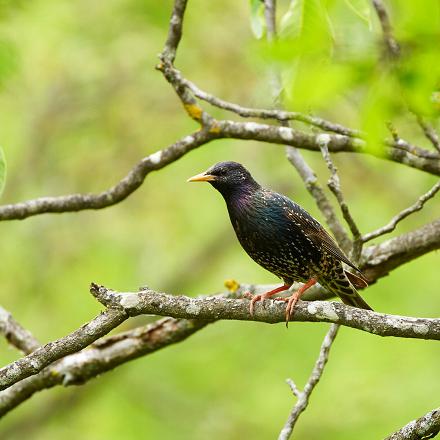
<point>341,286</point>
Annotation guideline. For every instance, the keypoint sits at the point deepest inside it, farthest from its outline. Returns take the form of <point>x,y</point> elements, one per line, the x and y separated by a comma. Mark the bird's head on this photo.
<point>227,177</point>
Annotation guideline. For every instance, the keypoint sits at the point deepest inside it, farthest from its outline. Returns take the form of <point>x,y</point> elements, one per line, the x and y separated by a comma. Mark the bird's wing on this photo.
<point>315,232</point>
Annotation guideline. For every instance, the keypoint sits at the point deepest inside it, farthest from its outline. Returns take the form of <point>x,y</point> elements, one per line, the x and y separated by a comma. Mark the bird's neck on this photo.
<point>241,200</point>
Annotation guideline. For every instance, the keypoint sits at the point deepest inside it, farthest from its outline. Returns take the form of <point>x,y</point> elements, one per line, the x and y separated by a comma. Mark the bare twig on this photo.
<point>335,186</point>
<point>279,115</point>
<point>429,131</point>
<point>417,206</point>
<point>292,385</point>
<point>175,30</point>
<point>313,186</point>
<point>391,44</point>
<point>315,376</point>
<point>425,427</point>
<point>377,261</point>
<point>15,334</point>
<point>323,124</point>
<point>270,18</point>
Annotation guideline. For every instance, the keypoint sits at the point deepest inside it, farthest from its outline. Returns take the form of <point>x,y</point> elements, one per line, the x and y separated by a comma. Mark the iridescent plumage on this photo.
<point>282,237</point>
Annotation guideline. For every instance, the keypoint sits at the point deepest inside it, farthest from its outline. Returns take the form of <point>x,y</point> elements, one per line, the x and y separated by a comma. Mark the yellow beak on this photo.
<point>202,177</point>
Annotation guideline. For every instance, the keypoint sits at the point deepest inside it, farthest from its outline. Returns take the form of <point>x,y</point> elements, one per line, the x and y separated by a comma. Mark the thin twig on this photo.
<point>296,392</point>
<point>280,115</point>
<point>270,18</point>
<point>429,131</point>
<point>315,376</point>
<point>175,30</point>
<point>417,206</point>
<point>425,427</point>
<point>391,44</point>
<point>335,186</point>
<point>315,189</point>
<point>15,334</point>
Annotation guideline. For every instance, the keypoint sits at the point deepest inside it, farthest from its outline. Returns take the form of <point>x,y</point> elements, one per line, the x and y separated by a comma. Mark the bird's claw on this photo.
<point>254,299</point>
<point>291,301</point>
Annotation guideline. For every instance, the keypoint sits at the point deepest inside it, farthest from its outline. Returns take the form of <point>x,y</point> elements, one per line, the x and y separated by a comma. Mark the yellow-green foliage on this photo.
<point>81,103</point>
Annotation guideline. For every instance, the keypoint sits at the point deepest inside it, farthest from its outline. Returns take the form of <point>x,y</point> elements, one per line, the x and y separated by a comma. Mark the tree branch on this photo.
<point>312,184</point>
<point>15,334</point>
<point>34,362</point>
<point>417,206</point>
<point>120,306</point>
<point>335,186</point>
<point>315,376</point>
<point>282,115</point>
<point>130,183</point>
<point>429,132</point>
<point>425,427</point>
<point>391,44</point>
<point>100,357</point>
<point>175,30</point>
<point>377,261</point>
<point>337,143</point>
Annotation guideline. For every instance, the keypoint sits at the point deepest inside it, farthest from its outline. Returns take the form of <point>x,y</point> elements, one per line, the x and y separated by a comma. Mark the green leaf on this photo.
<point>258,23</point>
<point>307,25</point>
<point>292,21</point>
<point>2,170</point>
<point>362,9</point>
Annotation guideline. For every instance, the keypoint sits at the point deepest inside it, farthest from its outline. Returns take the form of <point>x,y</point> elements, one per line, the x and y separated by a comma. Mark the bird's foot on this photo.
<point>291,302</point>
<point>293,299</point>
<point>263,296</point>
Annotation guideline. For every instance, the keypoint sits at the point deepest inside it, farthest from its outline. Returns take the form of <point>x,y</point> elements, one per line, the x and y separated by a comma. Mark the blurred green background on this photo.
<point>81,103</point>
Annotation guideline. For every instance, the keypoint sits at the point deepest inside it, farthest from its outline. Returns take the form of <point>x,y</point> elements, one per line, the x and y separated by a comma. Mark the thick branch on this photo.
<point>213,130</point>
<point>132,181</point>
<point>34,362</point>
<point>427,426</point>
<point>215,308</point>
<point>15,334</point>
<point>315,376</point>
<point>377,261</point>
<point>337,143</point>
<point>104,355</point>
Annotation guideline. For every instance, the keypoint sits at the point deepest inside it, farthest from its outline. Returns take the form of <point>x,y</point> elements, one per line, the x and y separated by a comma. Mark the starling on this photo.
<point>283,238</point>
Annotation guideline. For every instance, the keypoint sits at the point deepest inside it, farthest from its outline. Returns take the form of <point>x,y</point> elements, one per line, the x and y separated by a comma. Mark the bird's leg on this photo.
<point>266,295</point>
<point>292,300</point>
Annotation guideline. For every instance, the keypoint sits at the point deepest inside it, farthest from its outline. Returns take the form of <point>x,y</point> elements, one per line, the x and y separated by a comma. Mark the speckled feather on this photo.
<point>282,237</point>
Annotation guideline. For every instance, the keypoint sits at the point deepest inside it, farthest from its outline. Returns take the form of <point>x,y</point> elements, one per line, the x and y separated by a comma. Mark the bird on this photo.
<point>283,238</point>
